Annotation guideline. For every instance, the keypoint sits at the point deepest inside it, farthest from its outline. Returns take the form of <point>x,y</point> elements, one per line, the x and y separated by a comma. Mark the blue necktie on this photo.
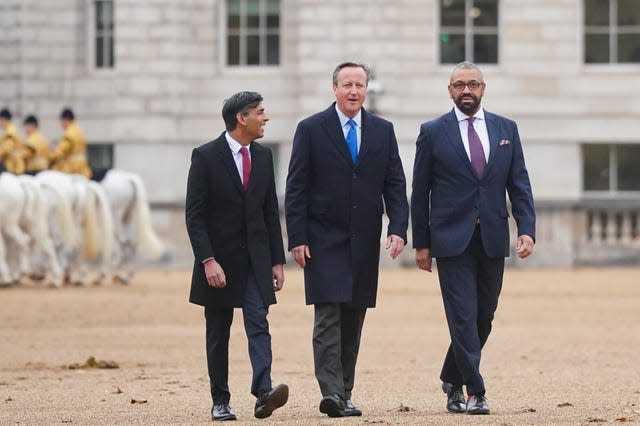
<point>352,140</point>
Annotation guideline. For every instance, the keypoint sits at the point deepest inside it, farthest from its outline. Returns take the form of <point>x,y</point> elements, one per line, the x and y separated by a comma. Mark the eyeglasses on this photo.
<point>472,85</point>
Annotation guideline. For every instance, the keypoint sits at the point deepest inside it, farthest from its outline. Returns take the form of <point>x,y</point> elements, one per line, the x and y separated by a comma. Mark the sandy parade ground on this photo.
<point>564,350</point>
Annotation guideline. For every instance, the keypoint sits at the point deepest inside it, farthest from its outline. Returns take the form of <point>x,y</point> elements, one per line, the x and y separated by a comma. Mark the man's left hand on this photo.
<point>278,277</point>
<point>524,246</point>
<point>396,244</point>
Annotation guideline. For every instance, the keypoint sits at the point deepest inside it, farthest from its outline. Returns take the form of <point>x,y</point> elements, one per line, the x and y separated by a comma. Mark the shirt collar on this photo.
<point>234,144</point>
<point>343,118</point>
<point>461,116</point>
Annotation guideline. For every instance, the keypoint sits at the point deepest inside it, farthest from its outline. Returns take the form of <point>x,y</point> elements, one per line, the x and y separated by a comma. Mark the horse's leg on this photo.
<point>5,276</point>
<point>21,240</point>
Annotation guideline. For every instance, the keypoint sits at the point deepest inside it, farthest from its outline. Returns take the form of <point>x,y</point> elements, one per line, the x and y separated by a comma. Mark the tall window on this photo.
<point>253,32</point>
<point>100,156</point>
<point>104,57</point>
<point>611,31</point>
<point>611,168</point>
<point>469,31</point>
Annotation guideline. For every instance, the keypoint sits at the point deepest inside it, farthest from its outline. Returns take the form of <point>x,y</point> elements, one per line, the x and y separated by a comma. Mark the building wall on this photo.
<point>165,94</point>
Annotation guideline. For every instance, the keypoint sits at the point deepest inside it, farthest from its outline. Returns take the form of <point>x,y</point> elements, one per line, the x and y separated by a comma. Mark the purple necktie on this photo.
<point>478,160</point>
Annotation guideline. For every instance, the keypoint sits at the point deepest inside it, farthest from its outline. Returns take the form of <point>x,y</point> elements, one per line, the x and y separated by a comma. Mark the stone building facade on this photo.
<point>175,61</point>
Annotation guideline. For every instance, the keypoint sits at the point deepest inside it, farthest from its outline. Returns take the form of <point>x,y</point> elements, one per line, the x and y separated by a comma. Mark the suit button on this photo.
<point>355,176</point>
<point>355,206</point>
<point>353,236</point>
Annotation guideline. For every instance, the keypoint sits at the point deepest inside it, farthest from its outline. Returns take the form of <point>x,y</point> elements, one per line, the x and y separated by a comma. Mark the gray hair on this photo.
<point>466,66</point>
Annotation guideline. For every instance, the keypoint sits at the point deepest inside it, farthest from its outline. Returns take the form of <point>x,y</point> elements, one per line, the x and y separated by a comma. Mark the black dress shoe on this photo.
<point>332,405</point>
<point>222,412</point>
<point>477,404</point>
<point>350,409</point>
<point>455,398</point>
<point>270,401</point>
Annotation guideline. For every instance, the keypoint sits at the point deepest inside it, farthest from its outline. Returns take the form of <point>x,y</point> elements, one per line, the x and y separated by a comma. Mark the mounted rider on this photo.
<point>37,147</point>
<point>70,155</point>
<point>11,148</point>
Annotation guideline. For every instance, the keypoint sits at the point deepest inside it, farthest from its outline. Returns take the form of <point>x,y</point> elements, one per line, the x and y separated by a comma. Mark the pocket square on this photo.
<point>504,142</point>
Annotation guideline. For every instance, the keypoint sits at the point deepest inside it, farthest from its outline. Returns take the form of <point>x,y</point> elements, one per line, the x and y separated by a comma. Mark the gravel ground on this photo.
<point>564,350</point>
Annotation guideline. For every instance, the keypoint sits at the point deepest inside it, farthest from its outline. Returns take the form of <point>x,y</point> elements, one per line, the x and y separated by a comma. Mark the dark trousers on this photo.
<point>336,340</point>
<point>218,326</point>
<point>470,285</point>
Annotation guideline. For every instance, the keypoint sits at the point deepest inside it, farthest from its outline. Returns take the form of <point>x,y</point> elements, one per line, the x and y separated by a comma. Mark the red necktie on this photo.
<point>246,167</point>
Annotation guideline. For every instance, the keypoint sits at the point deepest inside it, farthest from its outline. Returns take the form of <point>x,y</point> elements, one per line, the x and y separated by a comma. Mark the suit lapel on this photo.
<point>492,133</point>
<point>258,165</point>
<point>227,159</point>
<point>452,129</point>
<point>331,124</point>
<point>366,135</point>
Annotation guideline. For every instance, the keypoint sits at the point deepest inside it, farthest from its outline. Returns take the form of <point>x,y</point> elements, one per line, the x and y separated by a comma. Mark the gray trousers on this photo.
<point>336,340</point>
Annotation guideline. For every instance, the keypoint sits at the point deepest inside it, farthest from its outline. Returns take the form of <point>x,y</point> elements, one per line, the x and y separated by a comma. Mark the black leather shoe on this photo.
<point>222,412</point>
<point>350,409</point>
<point>332,405</point>
<point>270,401</point>
<point>477,404</point>
<point>455,398</point>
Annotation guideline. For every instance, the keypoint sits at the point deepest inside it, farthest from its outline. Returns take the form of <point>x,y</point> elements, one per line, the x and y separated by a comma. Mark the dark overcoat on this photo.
<point>335,207</point>
<point>239,229</point>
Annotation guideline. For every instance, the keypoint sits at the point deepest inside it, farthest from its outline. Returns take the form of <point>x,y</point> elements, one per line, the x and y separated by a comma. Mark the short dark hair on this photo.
<point>239,103</point>
<point>31,119</point>
<point>366,69</point>
<point>5,113</point>
<point>67,114</point>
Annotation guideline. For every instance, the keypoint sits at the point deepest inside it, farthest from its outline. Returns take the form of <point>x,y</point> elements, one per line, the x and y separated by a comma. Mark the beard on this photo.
<point>468,108</point>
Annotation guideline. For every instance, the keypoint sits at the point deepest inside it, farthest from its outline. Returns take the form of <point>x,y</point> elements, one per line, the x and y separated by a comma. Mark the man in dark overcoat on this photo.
<point>234,226</point>
<point>344,172</point>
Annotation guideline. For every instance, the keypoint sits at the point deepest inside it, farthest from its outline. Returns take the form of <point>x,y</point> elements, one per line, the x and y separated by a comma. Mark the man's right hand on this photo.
<point>301,254</point>
<point>214,273</point>
<point>424,259</point>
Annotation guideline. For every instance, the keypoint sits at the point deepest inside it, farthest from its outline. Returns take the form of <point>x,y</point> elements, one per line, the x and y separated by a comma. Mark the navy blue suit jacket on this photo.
<point>448,198</point>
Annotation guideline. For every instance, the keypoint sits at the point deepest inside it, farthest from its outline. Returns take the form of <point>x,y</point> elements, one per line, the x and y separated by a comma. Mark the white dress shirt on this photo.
<point>480,125</point>
<point>345,127</point>
<point>235,151</point>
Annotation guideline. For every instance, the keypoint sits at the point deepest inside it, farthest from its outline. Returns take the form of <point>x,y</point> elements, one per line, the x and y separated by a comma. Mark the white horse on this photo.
<point>13,202</point>
<point>134,234</point>
<point>94,223</point>
<point>35,221</point>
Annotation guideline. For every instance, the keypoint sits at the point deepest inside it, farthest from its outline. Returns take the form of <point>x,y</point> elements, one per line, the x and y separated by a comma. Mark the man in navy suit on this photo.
<point>233,223</point>
<point>465,162</point>
<point>344,163</point>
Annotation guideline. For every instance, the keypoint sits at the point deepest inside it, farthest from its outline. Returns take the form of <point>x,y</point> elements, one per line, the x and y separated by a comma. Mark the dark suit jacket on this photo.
<point>238,228</point>
<point>448,198</point>
<point>336,207</point>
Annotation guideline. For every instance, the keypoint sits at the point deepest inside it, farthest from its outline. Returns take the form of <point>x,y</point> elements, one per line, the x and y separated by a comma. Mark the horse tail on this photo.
<point>91,246</point>
<point>64,217</point>
<point>147,240</point>
<point>106,222</point>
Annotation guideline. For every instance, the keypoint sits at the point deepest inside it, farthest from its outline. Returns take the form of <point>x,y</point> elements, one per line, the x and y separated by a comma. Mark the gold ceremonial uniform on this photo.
<point>70,156</point>
<point>37,152</point>
<point>11,150</point>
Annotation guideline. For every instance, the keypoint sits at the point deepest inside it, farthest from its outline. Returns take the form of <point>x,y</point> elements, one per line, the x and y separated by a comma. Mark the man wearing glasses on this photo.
<point>465,161</point>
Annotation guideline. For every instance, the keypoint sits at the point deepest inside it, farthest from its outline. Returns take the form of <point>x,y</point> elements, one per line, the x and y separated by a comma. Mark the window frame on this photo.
<point>263,31</point>
<point>92,32</point>
<point>613,191</point>
<point>469,34</point>
<point>613,32</point>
